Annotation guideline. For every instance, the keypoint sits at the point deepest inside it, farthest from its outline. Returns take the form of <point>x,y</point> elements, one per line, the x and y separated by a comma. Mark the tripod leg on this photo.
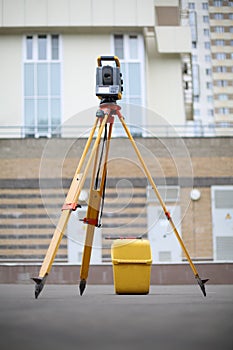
<point>93,215</point>
<point>199,280</point>
<point>92,221</point>
<point>70,204</point>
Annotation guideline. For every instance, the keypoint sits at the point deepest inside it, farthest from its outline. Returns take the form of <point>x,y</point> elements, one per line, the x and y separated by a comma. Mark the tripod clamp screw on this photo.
<point>100,113</point>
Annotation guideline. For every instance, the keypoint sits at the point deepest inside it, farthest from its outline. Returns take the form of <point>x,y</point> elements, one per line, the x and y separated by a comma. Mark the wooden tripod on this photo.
<point>104,119</point>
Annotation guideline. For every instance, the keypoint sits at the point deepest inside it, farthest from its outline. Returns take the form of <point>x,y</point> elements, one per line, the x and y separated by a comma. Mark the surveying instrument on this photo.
<point>109,88</point>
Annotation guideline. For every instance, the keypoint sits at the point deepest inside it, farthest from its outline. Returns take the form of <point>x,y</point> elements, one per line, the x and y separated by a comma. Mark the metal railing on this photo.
<point>82,131</point>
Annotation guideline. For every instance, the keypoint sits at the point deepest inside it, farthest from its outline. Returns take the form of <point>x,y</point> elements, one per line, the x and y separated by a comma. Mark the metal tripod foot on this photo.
<point>82,286</point>
<point>202,284</point>
<point>40,282</point>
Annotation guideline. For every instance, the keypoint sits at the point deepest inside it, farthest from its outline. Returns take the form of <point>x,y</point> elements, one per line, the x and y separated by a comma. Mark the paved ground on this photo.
<point>169,318</point>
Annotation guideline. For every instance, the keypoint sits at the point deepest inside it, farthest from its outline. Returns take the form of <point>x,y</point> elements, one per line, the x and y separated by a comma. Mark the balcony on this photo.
<point>173,39</point>
<point>223,76</point>
<point>224,36</point>
<point>222,90</point>
<point>223,103</point>
<point>227,62</point>
<point>223,48</point>
<point>167,13</point>
<point>221,9</point>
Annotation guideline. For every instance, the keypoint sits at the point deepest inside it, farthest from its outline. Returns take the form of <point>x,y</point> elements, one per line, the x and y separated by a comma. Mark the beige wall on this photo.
<point>79,69</point>
<point>164,83</point>
<point>165,89</point>
<point>11,79</point>
<point>173,39</point>
<point>27,13</point>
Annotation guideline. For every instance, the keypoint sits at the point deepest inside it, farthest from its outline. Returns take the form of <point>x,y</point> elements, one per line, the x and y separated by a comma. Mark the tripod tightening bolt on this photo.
<point>100,113</point>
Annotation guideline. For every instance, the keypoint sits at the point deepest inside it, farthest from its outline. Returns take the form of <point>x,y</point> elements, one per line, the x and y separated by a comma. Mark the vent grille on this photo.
<point>223,199</point>
<point>165,256</point>
<point>224,248</point>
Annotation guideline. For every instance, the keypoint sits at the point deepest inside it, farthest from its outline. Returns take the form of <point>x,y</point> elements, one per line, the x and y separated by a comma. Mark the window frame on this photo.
<point>205,6</point>
<point>217,3</point>
<point>127,60</point>
<point>218,16</point>
<point>35,61</point>
<point>219,29</point>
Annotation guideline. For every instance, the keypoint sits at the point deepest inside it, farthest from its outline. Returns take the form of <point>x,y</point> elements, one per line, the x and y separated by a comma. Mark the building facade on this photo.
<point>47,65</point>
<point>48,60</point>
<point>212,63</point>
<point>36,175</point>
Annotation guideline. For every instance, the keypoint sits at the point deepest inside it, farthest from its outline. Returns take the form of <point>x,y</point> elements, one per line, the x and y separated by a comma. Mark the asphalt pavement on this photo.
<point>168,318</point>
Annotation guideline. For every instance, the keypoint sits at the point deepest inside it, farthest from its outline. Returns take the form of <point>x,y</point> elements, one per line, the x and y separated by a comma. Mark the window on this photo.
<point>29,51</point>
<point>222,97</point>
<point>208,71</point>
<point>218,15</point>
<point>206,19</point>
<point>193,25</point>
<point>230,15</point>
<point>130,49</point>
<point>218,3</point>
<point>119,46</point>
<point>210,98</point>
<point>219,42</point>
<point>191,6</point>
<point>210,112</point>
<point>196,112</point>
<point>42,47</point>
<point>196,80</point>
<point>207,58</point>
<point>221,69</point>
<point>231,29</point>
<point>219,29</point>
<point>220,56</point>
<point>223,110</point>
<point>205,5</point>
<point>231,42</point>
<point>42,85</point>
<point>221,83</point>
<point>194,58</point>
<point>207,45</point>
<point>209,85</point>
<point>194,44</point>
<point>206,32</point>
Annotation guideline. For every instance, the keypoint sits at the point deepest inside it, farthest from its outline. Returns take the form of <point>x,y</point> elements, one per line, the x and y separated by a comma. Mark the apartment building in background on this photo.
<point>211,25</point>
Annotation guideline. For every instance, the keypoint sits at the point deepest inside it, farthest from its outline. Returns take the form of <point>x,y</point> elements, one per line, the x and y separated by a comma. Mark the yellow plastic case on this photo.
<point>132,261</point>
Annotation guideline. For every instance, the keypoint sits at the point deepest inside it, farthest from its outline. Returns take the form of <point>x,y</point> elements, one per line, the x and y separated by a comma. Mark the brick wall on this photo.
<point>31,165</point>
